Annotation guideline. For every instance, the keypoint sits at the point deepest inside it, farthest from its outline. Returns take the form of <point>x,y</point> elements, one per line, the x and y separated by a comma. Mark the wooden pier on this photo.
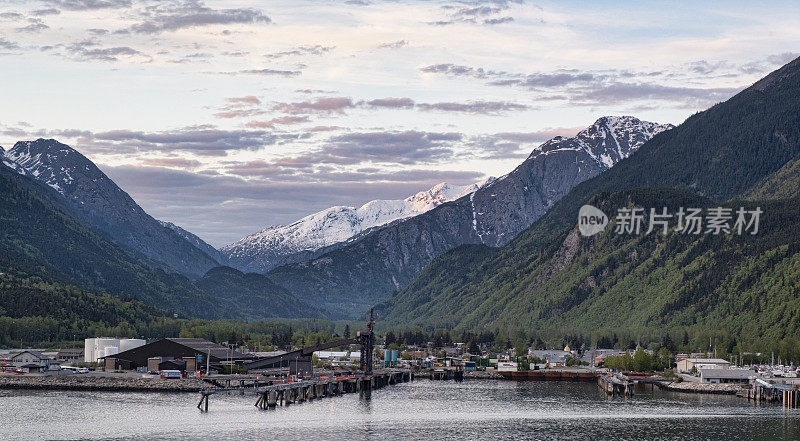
<point>272,393</point>
<point>764,392</point>
<point>616,384</point>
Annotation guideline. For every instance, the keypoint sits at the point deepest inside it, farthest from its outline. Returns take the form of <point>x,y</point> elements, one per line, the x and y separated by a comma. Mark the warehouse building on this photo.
<point>191,353</point>
<point>687,365</point>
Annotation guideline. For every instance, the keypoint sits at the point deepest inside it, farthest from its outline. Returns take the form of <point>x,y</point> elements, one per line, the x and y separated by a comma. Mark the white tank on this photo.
<point>126,344</point>
<point>110,350</point>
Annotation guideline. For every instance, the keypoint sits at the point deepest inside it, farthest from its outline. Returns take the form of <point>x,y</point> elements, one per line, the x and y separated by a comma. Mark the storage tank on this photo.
<point>130,343</point>
<point>394,356</point>
<point>110,350</point>
<point>387,357</point>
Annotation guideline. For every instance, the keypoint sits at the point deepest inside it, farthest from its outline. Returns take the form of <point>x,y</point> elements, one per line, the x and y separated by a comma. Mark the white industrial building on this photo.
<point>99,347</point>
<point>685,366</point>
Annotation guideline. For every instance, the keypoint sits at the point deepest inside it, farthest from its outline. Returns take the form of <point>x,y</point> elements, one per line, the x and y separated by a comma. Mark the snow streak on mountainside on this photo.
<point>511,203</point>
<point>313,234</point>
<point>96,199</point>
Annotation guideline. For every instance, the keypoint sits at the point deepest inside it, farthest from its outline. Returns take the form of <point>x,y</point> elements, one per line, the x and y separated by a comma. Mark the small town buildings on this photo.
<point>101,347</point>
<point>689,364</point>
<point>196,353</point>
<point>553,356</point>
<point>727,375</point>
<point>34,361</point>
<point>70,355</point>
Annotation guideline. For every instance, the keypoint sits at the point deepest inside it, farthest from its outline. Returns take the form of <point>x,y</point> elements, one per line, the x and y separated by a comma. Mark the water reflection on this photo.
<point>418,410</point>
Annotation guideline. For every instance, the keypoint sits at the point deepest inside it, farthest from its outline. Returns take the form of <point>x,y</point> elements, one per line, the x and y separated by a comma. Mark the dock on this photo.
<point>765,392</point>
<point>616,384</point>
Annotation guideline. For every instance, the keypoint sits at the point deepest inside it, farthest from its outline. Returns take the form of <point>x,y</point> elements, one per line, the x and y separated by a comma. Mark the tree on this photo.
<point>390,338</point>
<point>520,348</point>
<point>642,361</point>
<point>346,331</point>
<point>473,347</point>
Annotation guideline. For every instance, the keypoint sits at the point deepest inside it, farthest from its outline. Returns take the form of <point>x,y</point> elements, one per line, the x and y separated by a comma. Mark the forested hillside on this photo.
<point>551,278</point>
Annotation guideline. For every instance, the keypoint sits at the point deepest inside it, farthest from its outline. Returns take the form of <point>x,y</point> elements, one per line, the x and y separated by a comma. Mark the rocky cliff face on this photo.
<point>512,203</point>
<point>370,268</point>
<point>95,198</point>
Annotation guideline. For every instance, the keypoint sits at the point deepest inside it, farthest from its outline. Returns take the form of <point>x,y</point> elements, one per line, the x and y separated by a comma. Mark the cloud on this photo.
<point>623,92</point>
<point>284,120</point>
<point>302,50</point>
<point>396,103</point>
<point>83,5</point>
<point>8,45</point>
<point>320,105</point>
<point>44,12</point>
<point>494,21</point>
<point>86,50</point>
<point>11,16</point>
<point>483,107</point>
<point>173,16</point>
<point>403,147</point>
<point>271,72</point>
<point>783,58</point>
<point>171,162</point>
<point>394,45</point>
<point>458,70</point>
<point>96,31</point>
<point>248,100</point>
<point>35,25</point>
<point>201,140</point>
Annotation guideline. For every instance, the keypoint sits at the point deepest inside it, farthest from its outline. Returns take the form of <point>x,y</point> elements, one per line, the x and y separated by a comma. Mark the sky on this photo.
<point>227,117</point>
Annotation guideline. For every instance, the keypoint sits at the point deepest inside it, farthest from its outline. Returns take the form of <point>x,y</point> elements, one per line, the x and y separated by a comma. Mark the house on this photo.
<point>553,356</point>
<point>33,361</point>
<point>70,355</point>
<point>727,375</point>
<point>689,364</point>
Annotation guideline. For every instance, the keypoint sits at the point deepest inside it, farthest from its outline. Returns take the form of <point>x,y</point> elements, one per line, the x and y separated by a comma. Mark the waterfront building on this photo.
<point>196,353</point>
<point>688,364</point>
<point>727,375</point>
<point>34,361</point>
<point>70,355</point>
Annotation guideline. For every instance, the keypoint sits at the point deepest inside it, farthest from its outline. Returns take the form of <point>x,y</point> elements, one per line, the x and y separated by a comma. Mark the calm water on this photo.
<point>423,409</point>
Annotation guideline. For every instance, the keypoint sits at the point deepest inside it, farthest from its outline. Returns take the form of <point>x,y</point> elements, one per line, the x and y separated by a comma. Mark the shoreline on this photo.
<point>101,384</point>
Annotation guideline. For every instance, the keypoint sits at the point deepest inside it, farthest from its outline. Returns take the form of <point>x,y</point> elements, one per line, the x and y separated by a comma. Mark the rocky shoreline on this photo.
<point>106,384</point>
<point>700,388</point>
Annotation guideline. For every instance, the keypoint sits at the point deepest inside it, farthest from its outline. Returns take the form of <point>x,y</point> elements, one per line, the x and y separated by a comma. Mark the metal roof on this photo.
<point>204,346</point>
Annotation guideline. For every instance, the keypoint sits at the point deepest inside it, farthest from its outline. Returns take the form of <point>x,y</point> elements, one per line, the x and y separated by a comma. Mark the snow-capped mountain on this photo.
<point>316,233</point>
<point>96,199</point>
<point>385,260</point>
<point>510,204</point>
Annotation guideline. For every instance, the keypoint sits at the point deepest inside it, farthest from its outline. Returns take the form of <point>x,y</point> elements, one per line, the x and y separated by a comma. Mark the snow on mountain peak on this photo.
<point>608,140</point>
<point>339,224</point>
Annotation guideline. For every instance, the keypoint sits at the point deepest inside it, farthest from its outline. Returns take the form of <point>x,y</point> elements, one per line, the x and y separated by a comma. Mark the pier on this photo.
<point>616,384</point>
<point>765,392</point>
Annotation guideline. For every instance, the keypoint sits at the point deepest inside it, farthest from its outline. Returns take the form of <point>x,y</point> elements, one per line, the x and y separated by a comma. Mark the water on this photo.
<point>423,409</point>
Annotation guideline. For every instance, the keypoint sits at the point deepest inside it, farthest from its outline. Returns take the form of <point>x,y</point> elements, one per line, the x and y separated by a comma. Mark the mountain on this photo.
<point>256,296</point>
<point>331,228</point>
<point>96,199</point>
<point>38,238</point>
<point>368,270</point>
<point>512,203</point>
<point>550,277</point>
<point>196,241</point>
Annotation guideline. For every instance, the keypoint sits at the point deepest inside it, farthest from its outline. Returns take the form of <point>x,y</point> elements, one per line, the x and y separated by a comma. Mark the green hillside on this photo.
<point>550,278</point>
<point>783,184</point>
<point>254,296</point>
